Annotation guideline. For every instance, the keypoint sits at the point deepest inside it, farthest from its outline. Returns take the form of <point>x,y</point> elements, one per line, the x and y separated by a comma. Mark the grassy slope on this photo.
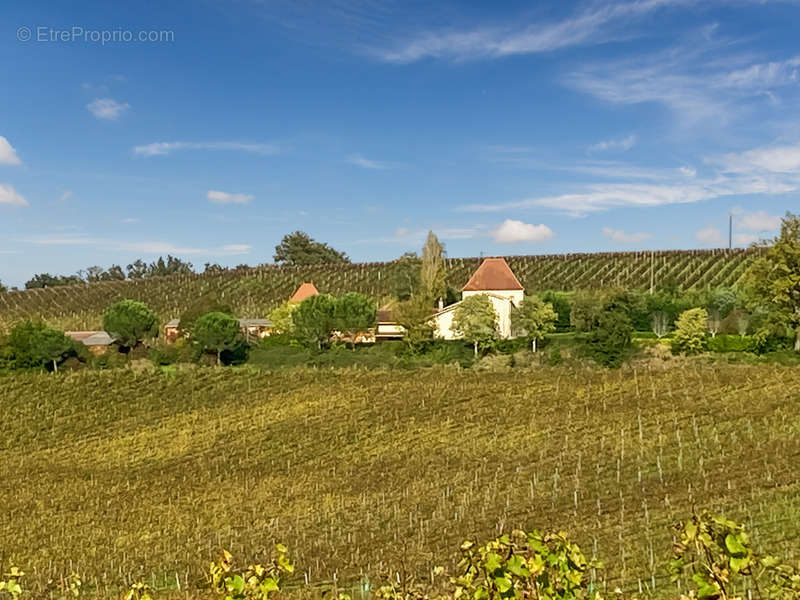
<point>124,475</point>
<point>253,292</point>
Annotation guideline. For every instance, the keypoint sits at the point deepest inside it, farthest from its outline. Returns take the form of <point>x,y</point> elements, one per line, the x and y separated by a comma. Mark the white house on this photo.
<point>495,279</point>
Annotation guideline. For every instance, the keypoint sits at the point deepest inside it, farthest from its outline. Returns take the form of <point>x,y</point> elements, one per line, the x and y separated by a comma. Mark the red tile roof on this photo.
<point>306,290</point>
<point>493,274</point>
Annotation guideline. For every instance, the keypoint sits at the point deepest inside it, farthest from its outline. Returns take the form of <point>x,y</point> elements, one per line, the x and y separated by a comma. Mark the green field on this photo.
<point>253,292</point>
<point>124,476</point>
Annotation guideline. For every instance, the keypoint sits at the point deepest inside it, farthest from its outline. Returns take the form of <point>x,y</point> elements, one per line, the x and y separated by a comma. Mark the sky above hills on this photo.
<point>209,129</point>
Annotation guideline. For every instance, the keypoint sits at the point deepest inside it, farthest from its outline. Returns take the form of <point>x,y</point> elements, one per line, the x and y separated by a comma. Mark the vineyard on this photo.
<point>255,291</point>
<point>123,476</point>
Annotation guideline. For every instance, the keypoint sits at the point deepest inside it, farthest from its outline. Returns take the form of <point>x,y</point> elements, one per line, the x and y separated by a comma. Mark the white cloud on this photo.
<point>8,155</point>
<point>107,108</point>
<point>688,171</point>
<point>745,239</point>
<point>130,220</point>
<point>621,145</point>
<point>770,159</point>
<point>65,196</point>
<point>622,237</point>
<point>593,25</point>
<point>400,231</point>
<point>511,231</point>
<point>8,195</point>
<point>367,163</point>
<point>146,247</point>
<point>759,221</point>
<point>235,249</point>
<point>748,173</point>
<point>164,148</point>
<point>710,236</point>
<point>218,197</point>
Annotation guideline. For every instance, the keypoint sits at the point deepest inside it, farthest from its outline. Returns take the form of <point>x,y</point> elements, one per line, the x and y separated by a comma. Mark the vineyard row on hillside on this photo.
<point>255,291</point>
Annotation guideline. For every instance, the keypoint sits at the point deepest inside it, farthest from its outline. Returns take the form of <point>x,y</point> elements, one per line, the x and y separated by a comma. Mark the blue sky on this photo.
<point>507,128</point>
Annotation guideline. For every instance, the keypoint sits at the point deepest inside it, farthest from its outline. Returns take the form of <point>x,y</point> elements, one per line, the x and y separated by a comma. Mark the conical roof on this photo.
<point>306,290</point>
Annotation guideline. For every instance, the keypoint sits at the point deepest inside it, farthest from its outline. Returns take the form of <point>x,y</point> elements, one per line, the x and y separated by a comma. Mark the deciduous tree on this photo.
<point>533,319</point>
<point>298,248</point>
<point>281,317</point>
<point>476,321</point>
<point>34,344</point>
<point>691,331</point>
<point>432,270</point>
<point>773,281</point>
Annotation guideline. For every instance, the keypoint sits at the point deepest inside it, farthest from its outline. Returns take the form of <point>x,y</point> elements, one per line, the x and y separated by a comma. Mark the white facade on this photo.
<point>516,296</point>
<point>502,304</point>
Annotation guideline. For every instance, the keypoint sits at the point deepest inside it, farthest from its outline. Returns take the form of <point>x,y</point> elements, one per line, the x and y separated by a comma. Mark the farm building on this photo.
<point>98,342</point>
<point>252,329</point>
<point>495,279</point>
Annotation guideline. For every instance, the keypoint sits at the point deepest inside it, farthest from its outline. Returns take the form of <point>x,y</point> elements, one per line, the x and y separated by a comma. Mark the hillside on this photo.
<point>122,475</point>
<point>253,292</point>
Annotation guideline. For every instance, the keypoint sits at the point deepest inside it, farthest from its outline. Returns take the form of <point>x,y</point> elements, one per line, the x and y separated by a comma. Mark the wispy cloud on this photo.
<point>107,109</point>
<point>745,239</point>
<point>700,81</point>
<point>592,25</point>
<point>623,237</point>
<point>218,197</point>
<point>511,232</point>
<point>8,195</point>
<point>711,236</point>
<point>759,221</point>
<point>8,154</point>
<point>164,148</point>
<point>614,145</point>
<point>143,247</point>
<point>366,163</point>
<point>66,195</point>
<point>764,171</point>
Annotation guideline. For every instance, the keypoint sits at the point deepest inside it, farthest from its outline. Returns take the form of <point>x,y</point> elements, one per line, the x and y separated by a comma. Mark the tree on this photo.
<point>774,279</point>
<point>137,269</point>
<point>476,321</point>
<point>404,275</point>
<point>354,313</point>
<point>414,315</point>
<point>298,248</point>
<point>3,288</point>
<point>534,319</point>
<point>610,335</point>
<point>203,305</point>
<point>281,317</point>
<point>217,331</point>
<point>313,319</point>
<point>35,344</point>
<point>691,331</point>
<point>659,323</point>
<point>45,280</point>
<point>432,270</point>
<point>130,322</point>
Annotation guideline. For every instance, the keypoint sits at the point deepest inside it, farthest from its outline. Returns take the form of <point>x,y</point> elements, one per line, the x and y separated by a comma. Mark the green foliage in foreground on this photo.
<point>476,320</point>
<point>691,331</point>
<point>33,344</point>
<point>217,331</point>
<point>714,551</point>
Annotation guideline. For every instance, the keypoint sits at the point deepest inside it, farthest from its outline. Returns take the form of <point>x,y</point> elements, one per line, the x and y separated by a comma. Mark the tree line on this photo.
<point>295,249</point>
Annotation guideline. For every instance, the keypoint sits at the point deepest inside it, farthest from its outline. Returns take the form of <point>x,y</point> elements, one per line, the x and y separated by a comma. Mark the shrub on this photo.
<point>561,304</point>
<point>609,339</point>
<point>732,343</point>
<point>691,331</point>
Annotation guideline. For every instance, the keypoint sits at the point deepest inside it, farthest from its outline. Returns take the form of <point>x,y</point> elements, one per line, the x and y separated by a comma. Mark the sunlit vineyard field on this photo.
<point>253,292</point>
<point>124,476</point>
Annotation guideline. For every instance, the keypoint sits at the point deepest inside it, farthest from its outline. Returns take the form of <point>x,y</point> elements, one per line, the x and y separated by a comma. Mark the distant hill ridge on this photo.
<point>254,291</point>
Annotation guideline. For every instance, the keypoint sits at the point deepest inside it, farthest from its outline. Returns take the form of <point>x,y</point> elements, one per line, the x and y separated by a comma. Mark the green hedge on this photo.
<point>732,343</point>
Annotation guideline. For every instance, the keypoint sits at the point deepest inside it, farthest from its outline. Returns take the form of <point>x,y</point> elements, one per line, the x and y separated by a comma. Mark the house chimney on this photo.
<point>441,304</point>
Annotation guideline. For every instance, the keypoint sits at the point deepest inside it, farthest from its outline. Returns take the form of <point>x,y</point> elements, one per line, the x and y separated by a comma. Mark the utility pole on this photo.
<point>730,230</point>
